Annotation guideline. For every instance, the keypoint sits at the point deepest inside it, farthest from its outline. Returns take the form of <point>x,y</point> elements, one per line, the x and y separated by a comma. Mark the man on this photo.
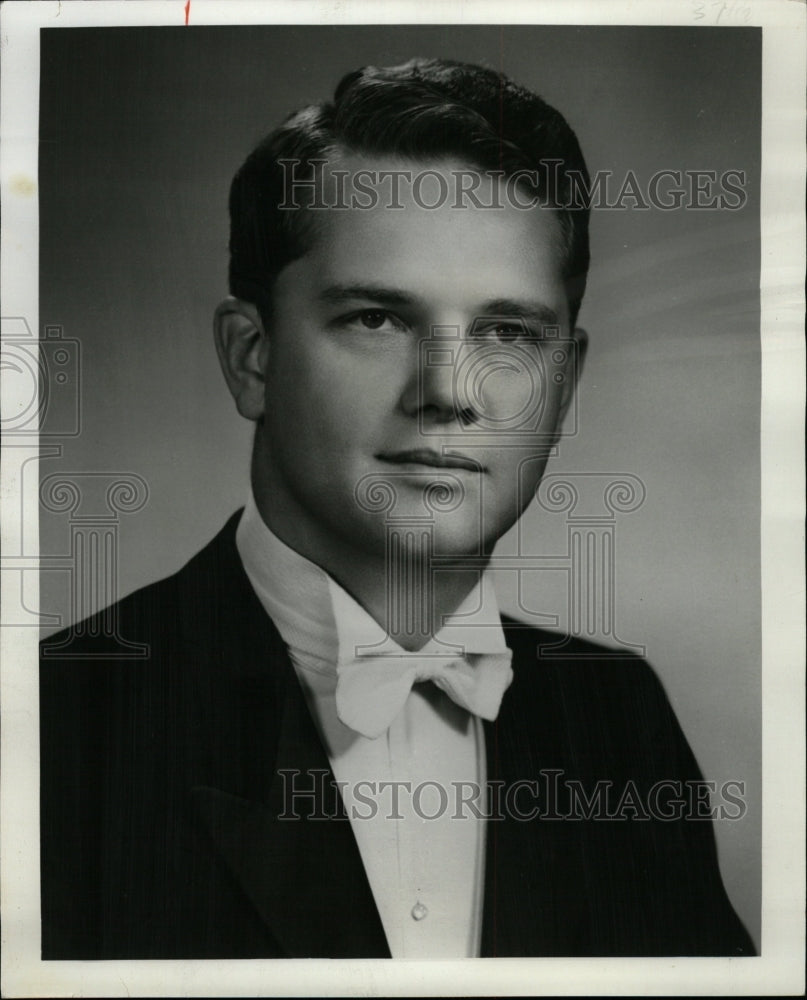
<point>334,746</point>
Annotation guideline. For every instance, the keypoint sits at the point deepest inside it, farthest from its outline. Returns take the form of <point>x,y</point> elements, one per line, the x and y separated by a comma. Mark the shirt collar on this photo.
<point>323,625</point>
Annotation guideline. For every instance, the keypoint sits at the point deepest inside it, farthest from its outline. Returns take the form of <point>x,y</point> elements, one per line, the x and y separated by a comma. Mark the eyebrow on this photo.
<point>530,310</point>
<point>336,294</point>
<point>534,311</point>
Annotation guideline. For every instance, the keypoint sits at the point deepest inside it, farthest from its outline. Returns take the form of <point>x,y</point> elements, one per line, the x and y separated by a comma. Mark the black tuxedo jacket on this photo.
<point>161,792</point>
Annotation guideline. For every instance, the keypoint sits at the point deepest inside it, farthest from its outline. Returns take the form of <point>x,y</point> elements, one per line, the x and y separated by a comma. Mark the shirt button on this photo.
<point>419,911</point>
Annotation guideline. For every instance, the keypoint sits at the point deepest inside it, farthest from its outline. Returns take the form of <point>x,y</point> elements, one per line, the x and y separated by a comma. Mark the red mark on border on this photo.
<point>187,11</point>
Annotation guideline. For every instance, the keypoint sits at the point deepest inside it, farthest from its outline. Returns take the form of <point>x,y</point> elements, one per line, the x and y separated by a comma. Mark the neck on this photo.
<point>402,590</point>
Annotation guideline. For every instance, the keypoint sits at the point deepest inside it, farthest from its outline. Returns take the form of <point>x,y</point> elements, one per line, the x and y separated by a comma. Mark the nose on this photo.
<point>431,393</point>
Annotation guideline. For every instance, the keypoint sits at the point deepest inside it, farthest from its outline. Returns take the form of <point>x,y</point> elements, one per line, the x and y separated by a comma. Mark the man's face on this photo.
<point>416,366</point>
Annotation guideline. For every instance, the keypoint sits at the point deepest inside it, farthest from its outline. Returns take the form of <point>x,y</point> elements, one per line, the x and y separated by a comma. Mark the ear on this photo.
<point>574,368</point>
<point>242,348</point>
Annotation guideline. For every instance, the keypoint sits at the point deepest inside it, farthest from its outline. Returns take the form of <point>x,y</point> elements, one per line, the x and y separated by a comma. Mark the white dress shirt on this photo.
<point>424,854</point>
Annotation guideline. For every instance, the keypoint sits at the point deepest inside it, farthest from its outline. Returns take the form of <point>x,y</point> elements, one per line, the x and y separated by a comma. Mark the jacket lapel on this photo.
<point>535,891</point>
<point>291,848</point>
<point>295,856</point>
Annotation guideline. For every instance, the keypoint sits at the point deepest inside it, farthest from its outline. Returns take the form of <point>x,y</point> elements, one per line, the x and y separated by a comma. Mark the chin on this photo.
<point>461,528</point>
<point>462,536</point>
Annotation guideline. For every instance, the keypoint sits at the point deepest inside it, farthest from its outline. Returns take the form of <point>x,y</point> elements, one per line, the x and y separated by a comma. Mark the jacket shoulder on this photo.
<point>540,653</point>
<point>608,706</point>
<point>124,630</point>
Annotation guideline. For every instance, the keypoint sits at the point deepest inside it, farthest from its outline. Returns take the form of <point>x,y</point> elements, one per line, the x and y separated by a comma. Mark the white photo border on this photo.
<point>780,967</point>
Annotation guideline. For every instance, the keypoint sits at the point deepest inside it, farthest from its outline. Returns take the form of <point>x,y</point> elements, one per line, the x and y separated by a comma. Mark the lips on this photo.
<point>428,457</point>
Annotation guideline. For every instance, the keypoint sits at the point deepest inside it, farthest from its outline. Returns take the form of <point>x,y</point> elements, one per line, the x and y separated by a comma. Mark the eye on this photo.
<point>509,331</point>
<point>503,329</point>
<point>372,319</point>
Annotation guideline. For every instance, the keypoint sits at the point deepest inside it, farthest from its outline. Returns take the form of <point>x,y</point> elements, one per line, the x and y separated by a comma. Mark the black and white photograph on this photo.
<point>402,478</point>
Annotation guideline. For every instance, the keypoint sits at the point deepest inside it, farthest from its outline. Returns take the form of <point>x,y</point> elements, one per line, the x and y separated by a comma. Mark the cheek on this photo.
<point>324,411</point>
<point>333,384</point>
<point>518,472</point>
<point>512,389</point>
<point>515,394</point>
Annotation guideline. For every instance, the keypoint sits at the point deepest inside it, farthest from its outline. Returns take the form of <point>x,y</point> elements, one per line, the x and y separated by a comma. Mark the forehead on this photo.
<point>442,229</point>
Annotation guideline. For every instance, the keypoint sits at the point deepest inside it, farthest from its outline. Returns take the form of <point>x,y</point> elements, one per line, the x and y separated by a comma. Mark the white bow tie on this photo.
<point>372,690</point>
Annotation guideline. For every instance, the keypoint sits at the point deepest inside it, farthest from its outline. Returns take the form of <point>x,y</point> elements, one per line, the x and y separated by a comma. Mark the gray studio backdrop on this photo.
<point>141,131</point>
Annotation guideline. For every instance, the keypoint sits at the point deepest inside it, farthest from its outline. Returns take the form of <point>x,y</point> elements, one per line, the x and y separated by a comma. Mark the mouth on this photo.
<point>432,459</point>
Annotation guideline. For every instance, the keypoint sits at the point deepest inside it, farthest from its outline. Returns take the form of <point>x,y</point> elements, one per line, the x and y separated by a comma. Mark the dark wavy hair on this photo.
<point>426,110</point>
